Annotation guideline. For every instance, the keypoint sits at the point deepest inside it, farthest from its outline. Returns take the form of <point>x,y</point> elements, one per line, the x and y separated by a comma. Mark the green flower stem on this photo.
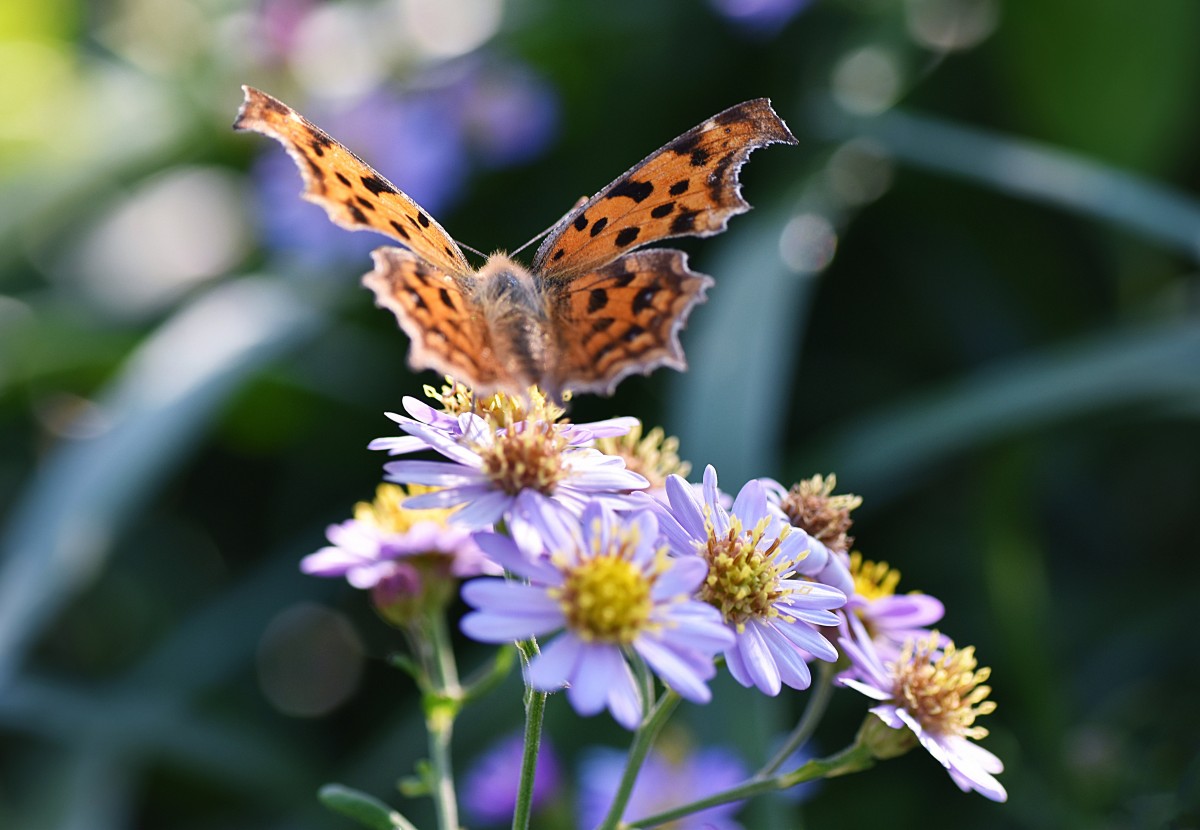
<point>535,709</point>
<point>822,691</point>
<point>855,758</point>
<point>442,705</point>
<point>643,739</point>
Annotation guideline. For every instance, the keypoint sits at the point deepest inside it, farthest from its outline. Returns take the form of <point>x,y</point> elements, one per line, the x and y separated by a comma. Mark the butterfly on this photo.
<point>591,308</point>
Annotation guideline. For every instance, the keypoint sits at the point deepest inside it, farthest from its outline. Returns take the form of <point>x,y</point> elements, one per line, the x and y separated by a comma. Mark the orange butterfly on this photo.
<point>591,309</point>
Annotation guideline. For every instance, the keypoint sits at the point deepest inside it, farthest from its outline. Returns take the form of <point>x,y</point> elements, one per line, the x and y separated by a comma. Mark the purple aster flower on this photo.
<point>934,690</point>
<point>489,791</point>
<point>510,113</point>
<point>404,557</point>
<point>755,563</point>
<point>534,465</point>
<point>662,785</point>
<point>605,582</point>
<point>811,506</point>
<point>890,619</point>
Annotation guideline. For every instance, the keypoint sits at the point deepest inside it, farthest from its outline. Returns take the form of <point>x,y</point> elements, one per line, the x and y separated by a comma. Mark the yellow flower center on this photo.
<point>606,597</point>
<point>526,455</point>
<point>654,455</point>
<point>743,582</point>
<point>873,580</point>
<point>943,691</point>
<point>386,513</point>
<point>499,409</point>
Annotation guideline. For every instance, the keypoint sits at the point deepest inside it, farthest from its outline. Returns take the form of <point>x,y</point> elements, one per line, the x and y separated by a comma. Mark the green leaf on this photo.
<point>367,810</point>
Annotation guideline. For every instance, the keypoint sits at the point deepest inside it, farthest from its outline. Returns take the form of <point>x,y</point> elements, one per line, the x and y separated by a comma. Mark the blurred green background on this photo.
<point>971,292</point>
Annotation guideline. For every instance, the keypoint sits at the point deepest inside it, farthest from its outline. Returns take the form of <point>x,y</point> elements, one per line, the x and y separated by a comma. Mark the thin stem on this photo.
<point>535,709</point>
<point>441,708</point>
<point>643,739</point>
<point>854,758</point>
<point>822,691</point>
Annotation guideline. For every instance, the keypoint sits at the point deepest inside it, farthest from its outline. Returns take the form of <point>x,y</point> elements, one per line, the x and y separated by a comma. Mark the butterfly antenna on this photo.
<point>475,251</point>
<point>582,201</point>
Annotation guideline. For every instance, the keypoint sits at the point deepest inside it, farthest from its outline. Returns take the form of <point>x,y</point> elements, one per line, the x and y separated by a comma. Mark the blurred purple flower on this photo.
<point>489,791</point>
<point>764,17</point>
<point>661,785</point>
<point>510,114</point>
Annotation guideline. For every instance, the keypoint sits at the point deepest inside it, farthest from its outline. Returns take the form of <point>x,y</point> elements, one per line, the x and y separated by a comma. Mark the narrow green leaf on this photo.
<point>367,810</point>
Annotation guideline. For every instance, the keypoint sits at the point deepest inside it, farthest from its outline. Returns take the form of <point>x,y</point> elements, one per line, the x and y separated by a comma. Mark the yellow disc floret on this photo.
<point>744,582</point>
<point>942,688</point>
<point>606,598</point>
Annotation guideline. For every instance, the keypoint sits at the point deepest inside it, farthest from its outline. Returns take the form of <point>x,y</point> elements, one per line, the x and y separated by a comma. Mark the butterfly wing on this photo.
<point>354,195</point>
<point>688,188</point>
<point>441,317</point>
<point>620,319</point>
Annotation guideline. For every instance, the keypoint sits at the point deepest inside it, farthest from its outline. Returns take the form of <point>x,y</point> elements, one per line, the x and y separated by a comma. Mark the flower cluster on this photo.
<point>615,574</point>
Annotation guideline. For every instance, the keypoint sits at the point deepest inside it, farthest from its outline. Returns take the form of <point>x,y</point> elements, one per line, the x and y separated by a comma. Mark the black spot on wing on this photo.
<point>663,210</point>
<point>400,229</point>
<point>444,296</point>
<point>342,179</point>
<point>685,144</point>
<point>627,235</point>
<point>377,185</point>
<point>718,175</point>
<point>602,324</point>
<point>680,187</point>
<point>624,279</point>
<point>600,225</point>
<point>423,219</point>
<point>364,203</point>
<point>597,299</point>
<point>644,300</point>
<point>580,222</point>
<point>685,222</point>
<point>558,255</point>
<point>700,157</point>
<point>633,333</point>
<point>358,215</point>
<point>417,300</point>
<point>638,191</point>
<point>319,143</point>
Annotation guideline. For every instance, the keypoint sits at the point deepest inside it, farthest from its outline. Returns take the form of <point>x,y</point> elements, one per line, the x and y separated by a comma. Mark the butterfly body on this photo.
<point>591,309</point>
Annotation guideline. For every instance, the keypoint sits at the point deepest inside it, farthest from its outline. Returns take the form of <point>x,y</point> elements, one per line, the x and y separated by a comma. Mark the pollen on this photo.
<point>498,409</point>
<point>386,513</point>
<point>811,506</point>
<point>607,598</point>
<point>526,455</point>
<point>873,580</point>
<point>653,455</point>
<point>942,688</point>
<point>743,581</point>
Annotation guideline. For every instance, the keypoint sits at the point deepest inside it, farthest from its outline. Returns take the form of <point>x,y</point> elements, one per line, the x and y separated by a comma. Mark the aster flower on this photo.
<point>489,792</point>
<point>890,619</point>
<point>400,555</point>
<point>934,690</point>
<point>613,591</point>
<point>811,506</point>
<point>755,564</point>
<point>664,783</point>
<point>532,465</point>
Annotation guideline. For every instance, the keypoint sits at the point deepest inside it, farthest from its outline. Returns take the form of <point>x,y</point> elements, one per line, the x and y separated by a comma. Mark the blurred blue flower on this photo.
<point>661,785</point>
<point>510,114</point>
<point>764,17</point>
<point>489,791</point>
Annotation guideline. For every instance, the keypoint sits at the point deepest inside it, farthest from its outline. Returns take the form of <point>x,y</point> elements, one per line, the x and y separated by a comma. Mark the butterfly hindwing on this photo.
<point>437,312</point>
<point>353,194</point>
<point>621,319</point>
<point>688,188</point>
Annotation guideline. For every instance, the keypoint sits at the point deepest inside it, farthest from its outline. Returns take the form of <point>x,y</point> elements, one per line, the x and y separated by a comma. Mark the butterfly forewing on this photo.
<point>620,319</point>
<point>688,188</point>
<point>354,195</point>
<point>438,314</point>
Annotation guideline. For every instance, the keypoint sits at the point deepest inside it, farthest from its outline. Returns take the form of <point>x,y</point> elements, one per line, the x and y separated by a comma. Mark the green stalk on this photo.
<point>643,739</point>
<point>822,691</point>
<point>441,708</point>
<point>535,709</point>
